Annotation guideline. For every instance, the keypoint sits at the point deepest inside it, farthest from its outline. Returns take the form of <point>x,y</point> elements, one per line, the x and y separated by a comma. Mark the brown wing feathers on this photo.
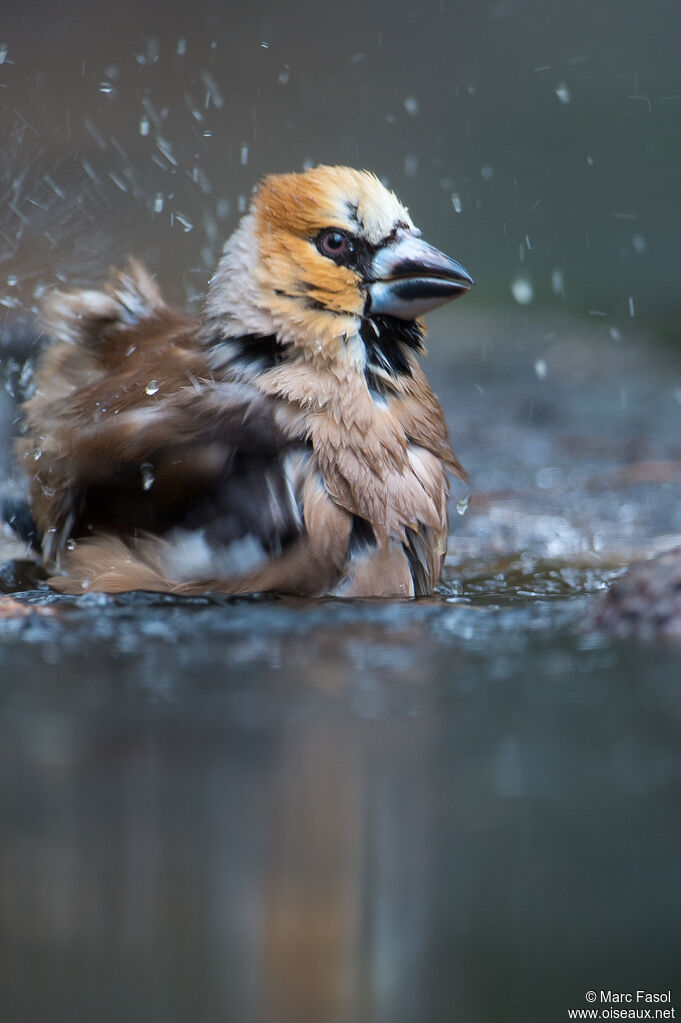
<point>126,427</point>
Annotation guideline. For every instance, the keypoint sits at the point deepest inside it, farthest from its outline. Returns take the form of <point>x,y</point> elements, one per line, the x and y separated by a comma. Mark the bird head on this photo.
<point>322,251</point>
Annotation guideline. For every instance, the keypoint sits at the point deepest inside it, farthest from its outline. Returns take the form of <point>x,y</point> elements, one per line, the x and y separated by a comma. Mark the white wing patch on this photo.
<point>190,556</point>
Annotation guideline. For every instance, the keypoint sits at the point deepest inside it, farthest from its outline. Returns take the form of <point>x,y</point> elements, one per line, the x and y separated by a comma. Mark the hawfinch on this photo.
<point>287,440</point>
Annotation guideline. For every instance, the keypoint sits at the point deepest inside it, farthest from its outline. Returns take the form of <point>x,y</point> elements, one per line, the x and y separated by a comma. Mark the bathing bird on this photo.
<point>286,440</point>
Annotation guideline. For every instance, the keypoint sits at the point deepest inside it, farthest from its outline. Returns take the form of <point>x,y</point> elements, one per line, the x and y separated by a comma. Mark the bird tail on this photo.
<point>108,564</point>
<point>81,317</point>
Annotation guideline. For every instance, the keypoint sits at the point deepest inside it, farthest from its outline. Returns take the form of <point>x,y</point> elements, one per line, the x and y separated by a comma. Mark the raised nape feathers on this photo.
<point>287,440</point>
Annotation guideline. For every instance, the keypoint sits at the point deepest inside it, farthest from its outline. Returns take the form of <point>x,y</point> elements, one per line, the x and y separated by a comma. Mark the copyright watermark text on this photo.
<point>639,1004</point>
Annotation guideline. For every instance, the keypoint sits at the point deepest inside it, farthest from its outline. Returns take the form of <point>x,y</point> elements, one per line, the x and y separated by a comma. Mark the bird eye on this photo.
<point>334,244</point>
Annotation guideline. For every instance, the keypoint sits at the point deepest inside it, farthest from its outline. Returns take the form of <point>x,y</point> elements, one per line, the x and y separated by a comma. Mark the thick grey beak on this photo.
<point>411,277</point>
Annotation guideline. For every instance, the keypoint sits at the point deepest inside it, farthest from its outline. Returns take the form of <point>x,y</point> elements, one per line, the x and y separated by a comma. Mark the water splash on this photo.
<point>462,504</point>
<point>522,290</point>
<point>148,478</point>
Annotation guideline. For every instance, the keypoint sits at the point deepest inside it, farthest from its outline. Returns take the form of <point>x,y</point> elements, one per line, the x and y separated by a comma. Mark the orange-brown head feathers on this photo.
<point>317,251</point>
<point>300,205</point>
<point>292,211</point>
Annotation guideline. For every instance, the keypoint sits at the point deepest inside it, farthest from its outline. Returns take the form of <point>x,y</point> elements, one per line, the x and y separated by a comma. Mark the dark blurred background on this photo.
<point>461,809</point>
<point>538,141</point>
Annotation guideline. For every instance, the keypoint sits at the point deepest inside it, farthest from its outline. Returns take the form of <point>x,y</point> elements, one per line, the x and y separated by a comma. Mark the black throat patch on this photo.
<point>387,341</point>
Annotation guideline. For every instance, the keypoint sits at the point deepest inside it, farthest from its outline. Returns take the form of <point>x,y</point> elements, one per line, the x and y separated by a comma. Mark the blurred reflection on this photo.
<point>472,842</point>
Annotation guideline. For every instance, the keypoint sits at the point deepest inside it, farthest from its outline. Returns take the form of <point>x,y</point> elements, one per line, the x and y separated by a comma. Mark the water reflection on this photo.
<point>337,813</point>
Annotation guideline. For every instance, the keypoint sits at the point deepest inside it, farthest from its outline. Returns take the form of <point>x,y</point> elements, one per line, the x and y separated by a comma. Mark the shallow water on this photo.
<point>256,809</point>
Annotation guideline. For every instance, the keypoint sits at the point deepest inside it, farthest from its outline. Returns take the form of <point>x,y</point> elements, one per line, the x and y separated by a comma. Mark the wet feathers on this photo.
<point>287,440</point>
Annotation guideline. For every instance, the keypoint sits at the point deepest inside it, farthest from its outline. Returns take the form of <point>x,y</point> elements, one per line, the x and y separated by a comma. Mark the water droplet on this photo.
<point>411,165</point>
<point>462,504</point>
<point>638,241</point>
<point>615,334</point>
<point>148,478</point>
<point>265,45</point>
<point>158,203</point>
<point>456,202</point>
<point>285,76</point>
<point>557,282</point>
<point>152,387</point>
<point>213,94</point>
<point>632,307</point>
<point>12,281</point>
<point>411,105</point>
<point>107,89</point>
<point>487,172</point>
<point>144,125</point>
<point>37,454</point>
<point>3,53</point>
<point>541,369</point>
<point>181,47</point>
<point>183,221</point>
<point>70,545</point>
<point>522,290</point>
<point>244,155</point>
<point>562,92</point>
<point>118,182</point>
